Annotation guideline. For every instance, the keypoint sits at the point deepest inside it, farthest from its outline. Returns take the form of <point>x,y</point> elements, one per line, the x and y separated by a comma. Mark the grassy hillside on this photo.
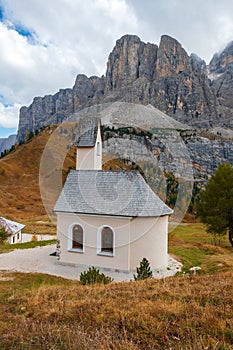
<point>195,247</point>
<point>20,197</point>
<point>42,312</point>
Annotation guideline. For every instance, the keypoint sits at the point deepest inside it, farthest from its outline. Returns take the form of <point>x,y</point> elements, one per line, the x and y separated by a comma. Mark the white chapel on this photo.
<point>108,219</point>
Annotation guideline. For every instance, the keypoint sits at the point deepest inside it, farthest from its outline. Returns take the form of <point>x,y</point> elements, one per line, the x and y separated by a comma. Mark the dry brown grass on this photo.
<point>43,226</point>
<point>20,197</point>
<point>176,313</point>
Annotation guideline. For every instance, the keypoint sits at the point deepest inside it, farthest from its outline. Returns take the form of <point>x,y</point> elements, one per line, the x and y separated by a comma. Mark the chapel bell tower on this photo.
<point>89,145</point>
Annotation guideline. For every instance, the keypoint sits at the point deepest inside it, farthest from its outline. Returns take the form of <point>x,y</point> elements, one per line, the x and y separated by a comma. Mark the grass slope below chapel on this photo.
<point>44,312</point>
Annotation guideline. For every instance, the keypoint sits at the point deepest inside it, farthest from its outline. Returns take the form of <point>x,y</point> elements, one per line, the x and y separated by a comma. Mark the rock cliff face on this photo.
<point>181,88</point>
<point>221,72</point>
<point>6,143</point>
<point>184,154</point>
<point>222,61</point>
<point>164,76</point>
<point>130,59</point>
<point>45,111</point>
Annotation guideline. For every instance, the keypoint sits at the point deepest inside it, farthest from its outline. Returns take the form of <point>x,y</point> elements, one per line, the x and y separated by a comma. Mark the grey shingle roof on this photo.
<point>87,132</point>
<point>109,193</point>
<point>11,227</point>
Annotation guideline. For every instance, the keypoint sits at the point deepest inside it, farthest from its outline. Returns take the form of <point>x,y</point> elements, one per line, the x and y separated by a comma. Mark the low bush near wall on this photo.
<point>93,276</point>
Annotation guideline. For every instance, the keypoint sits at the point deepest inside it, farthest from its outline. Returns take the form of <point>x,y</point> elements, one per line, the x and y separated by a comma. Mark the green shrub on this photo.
<point>143,271</point>
<point>94,276</point>
<point>29,136</point>
<point>3,235</point>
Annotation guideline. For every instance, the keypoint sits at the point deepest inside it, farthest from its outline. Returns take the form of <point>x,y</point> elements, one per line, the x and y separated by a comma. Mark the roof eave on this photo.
<point>93,214</point>
<point>113,215</point>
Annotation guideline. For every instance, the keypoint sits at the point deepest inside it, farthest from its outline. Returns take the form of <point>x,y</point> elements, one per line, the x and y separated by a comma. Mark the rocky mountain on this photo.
<point>164,76</point>
<point>184,154</point>
<point>222,61</point>
<point>7,143</point>
<point>221,72</point>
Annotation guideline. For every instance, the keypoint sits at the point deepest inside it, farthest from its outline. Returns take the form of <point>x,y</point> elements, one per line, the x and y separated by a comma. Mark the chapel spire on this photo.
<point>89,144</point>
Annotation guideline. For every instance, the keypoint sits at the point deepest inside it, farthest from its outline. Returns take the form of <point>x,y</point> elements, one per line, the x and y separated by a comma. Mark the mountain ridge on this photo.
<point>163,75</point>
<point>7,142</point>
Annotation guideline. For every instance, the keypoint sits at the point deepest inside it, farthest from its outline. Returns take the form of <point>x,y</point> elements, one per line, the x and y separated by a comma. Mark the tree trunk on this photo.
<point>231,235</point>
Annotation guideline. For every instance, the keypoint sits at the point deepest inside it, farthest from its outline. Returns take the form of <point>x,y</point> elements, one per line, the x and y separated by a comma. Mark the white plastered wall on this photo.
<point>90,158</point>
<point>149,239</point>
<point>85,158</point>
<point>90,256</point>
<point>15,238</point>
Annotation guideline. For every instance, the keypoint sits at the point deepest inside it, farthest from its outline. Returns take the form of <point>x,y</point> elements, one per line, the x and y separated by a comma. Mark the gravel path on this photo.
<point>39,260</point>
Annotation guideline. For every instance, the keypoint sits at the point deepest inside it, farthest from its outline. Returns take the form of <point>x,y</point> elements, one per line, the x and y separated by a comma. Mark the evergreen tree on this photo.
<point>216,202</point>
<point>143,271</point>
<point>3,235</point>
<point>29,136</point>
<point>172,189</point>
<point>93,276</point>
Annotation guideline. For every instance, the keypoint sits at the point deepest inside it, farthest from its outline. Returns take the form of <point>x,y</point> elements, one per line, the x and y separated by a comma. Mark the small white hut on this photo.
<point>13,229</point>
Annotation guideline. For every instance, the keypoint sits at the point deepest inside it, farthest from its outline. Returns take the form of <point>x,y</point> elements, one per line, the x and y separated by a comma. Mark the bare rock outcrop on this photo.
<point>221,72</point>
<point>164,76</point>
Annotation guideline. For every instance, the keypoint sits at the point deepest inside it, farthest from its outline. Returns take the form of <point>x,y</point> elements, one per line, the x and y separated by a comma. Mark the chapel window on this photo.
<point>77,237</point>
<point>107,240</point>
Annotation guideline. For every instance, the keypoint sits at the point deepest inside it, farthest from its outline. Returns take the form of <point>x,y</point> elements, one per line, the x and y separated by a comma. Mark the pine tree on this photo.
<point>143,271</point>
<point>29,136</point>
<point>93,276</point>
<point>216,202</point>
<point>3,235</point>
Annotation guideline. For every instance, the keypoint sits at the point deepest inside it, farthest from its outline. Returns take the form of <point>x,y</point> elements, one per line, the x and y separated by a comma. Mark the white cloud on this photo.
<point>84,30</point>
<point>203,27</point>
<point>9,116</point>
<point>70,37</point>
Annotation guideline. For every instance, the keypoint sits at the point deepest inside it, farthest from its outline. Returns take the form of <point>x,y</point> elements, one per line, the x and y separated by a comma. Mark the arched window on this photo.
<point>77,237</point>
<point>105,241</point>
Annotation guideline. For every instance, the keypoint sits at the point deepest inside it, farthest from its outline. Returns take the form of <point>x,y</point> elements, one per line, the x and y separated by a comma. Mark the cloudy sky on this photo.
<point>45,44</point>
